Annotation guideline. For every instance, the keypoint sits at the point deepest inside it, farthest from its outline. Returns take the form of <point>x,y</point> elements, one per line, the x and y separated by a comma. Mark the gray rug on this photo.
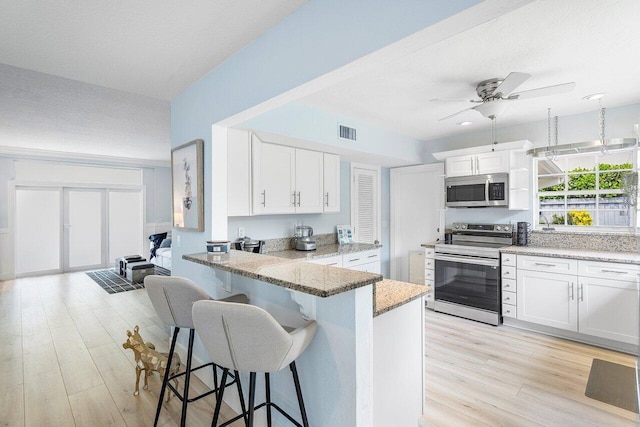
<point>113,283</point>
<point>614,384</point>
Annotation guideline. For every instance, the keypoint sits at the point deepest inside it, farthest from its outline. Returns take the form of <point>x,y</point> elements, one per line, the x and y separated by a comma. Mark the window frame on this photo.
<point>634,212</point>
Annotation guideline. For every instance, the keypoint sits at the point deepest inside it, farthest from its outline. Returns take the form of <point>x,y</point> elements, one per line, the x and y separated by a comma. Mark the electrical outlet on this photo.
<point>240,232</point>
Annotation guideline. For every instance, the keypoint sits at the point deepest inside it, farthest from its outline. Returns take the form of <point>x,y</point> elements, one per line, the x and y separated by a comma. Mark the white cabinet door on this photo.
<point>547,299</point>
<point>273,178</point>
<point>331,185</point>
<point>370,267</point>
<point>333,261</point>
<point>308,181</point>
<point>609,308</point>
<point>492,162</point>
<point>238,173</point>
<point>460,165</point>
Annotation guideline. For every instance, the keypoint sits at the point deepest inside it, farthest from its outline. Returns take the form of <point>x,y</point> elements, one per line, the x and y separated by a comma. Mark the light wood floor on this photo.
<point>480,375</point>
<point>62,364</point>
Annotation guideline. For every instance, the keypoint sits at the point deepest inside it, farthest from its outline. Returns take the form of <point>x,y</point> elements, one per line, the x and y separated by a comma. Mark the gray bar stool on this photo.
<point>172,299</point>
<point>243,337</point>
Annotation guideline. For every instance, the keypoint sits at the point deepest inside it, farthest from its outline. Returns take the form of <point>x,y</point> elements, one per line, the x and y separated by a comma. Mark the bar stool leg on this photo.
<point>165,380</point>
<point>215,379</point>
<point>252,397</point>
<point>216,413</point>
<point>241,397</point>
<point>187,377</point>
<point>267,386</point>
<point>296,381</point>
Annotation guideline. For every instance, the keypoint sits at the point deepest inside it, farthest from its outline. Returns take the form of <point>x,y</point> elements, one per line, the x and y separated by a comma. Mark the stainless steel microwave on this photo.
<point>477,191</point>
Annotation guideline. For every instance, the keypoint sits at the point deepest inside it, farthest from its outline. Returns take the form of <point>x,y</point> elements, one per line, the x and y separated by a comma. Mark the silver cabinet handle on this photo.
<point>355,259</point>
<point>327,202</point>
<point>613,271</point>
<point>507,259</point>
<point>581,291</point>
<point>506,273</point>
<point>542,264</point>
<point>571,289</point>
<point>507,298</point>
<point>264,198</point>
<point>372,256</point>
<point>507,286</point>
<point>298,198</point>
<point>294,198</point>
<point>333,263</point>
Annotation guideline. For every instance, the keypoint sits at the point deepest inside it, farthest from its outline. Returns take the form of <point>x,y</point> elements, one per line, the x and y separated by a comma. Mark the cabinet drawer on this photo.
<point>357,258</point>
<point>429,253</point>
<point>509,298</point>
<point>508,272</point>
<point>430,282</point>
<point>429,263</point>
<point>609,270</point>
<point>547,264</point>
<point>508,259</point>
<point>509,285</point>
<point>509,311</point>
<point>428,274</point>
<point>334,261</point>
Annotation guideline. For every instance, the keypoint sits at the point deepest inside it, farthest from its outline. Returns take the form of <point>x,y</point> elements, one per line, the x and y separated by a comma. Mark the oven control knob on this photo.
<point>464,226</point>
<point>506,228</point>
<point>498,228</point>
<point>456,226</point>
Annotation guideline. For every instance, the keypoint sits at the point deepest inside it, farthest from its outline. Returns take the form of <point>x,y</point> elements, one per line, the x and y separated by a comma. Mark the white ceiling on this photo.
<point>146,47</point>
<point>591,42</point>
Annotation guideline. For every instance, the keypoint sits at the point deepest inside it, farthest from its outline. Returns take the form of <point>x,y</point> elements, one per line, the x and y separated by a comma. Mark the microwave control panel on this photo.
<point>496,191</point>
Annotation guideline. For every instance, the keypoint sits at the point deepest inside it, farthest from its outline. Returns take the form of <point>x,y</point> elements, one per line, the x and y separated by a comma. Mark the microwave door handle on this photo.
<point>486,191</point>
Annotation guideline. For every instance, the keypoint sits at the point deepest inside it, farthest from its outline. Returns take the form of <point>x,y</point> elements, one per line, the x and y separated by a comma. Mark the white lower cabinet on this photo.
<point>334,261</point>
<point>599,299</point>
<point>547,299</point>
<point>367,261</point>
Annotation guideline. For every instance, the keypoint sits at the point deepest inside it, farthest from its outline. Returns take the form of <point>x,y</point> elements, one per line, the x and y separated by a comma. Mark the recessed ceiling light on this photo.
<point>464,123</point>
<point>594,96</point>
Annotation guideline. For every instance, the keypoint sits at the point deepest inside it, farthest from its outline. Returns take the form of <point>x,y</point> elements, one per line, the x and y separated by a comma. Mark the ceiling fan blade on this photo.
<point>454,100</point>
<point>510,83</point>
<point>455,114</point>
<point>545,91</point>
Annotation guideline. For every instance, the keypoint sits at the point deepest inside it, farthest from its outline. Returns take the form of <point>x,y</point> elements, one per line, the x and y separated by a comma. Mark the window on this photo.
<point>596,190</point>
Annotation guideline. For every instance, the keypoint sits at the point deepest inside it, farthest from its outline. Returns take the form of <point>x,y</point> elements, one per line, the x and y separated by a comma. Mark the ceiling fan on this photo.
<point>495,93</point>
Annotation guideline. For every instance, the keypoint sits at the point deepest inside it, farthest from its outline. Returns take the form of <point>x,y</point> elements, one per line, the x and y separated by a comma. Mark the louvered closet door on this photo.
<point>365,215</point>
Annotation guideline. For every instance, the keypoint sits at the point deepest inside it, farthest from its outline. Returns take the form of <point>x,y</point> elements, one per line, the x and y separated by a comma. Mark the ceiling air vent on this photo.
<point>347,133</point>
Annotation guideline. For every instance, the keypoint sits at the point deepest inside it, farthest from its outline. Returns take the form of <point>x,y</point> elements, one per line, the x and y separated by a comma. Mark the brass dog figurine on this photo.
<point>149,360</point>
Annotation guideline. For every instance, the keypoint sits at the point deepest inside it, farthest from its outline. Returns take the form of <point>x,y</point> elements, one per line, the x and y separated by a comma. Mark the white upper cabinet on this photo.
<point>238,173</point>
<point>478,164</point>
<point>309,181</point>
<point>274,174</point>
<point>289,180</point>
<point>331,185</point>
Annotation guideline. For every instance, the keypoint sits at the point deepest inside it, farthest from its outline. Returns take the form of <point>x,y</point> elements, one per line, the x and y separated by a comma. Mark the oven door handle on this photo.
<point>468,260</point>
<point>486,191</point>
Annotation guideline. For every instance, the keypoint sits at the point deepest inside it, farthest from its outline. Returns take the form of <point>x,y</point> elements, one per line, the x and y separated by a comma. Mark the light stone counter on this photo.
<point>390,294</point>
<point>621,257</point>
<point>313,279</point>
<point>324,251</point>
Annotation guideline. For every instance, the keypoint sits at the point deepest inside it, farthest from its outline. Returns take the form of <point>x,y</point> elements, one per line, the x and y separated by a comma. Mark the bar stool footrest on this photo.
<point>200,396</point>
<point>273,405</point>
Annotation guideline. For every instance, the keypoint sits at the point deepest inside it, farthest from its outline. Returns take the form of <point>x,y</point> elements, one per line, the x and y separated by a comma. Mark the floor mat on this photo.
<point>614,384</point>
<point>113,283</point>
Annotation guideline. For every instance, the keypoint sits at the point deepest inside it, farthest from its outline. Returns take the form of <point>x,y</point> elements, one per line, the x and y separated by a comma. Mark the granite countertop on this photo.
<point>390,294</point>
<point>324,251</point>
<point>314,279</point>
<point>621,257</point>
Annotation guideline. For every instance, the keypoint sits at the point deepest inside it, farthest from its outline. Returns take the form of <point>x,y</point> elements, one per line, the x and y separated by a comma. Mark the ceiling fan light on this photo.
<point>464,123</point>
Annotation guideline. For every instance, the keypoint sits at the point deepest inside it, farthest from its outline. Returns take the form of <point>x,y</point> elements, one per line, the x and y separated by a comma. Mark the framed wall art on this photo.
<point>187,182</point>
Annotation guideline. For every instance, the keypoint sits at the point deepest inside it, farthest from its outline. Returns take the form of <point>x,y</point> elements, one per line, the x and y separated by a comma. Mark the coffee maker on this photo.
<point>303,235</point>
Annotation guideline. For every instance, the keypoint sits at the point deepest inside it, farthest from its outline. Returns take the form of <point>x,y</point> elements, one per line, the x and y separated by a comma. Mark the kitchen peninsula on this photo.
<point>365,364</point>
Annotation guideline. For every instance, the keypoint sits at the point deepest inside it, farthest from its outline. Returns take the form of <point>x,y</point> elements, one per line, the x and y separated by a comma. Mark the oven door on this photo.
<point>468,281</point>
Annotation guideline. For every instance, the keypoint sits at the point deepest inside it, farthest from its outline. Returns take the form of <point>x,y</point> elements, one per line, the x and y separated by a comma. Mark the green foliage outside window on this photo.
<point>584,179</point>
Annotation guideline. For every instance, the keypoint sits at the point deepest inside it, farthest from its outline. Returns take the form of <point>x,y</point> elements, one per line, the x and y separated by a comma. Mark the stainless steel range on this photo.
<point>467,273</point>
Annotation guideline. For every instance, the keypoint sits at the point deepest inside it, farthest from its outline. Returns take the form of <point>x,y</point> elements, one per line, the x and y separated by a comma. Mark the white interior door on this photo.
<point>84,227</point>
<point>365,203</point>
<point>416,199</point>
<point>125,224</point>
<point>38,231</point>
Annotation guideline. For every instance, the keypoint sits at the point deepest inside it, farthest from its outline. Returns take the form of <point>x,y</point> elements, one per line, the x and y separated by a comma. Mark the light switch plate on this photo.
<point>240,232</point>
